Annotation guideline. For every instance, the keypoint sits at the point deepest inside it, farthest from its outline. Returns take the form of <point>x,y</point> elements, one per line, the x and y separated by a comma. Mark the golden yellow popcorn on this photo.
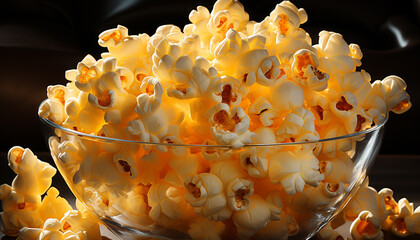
<point>53,206</point>
<point>366,226</point>
<point>206,194</point>
<point>241,93</point>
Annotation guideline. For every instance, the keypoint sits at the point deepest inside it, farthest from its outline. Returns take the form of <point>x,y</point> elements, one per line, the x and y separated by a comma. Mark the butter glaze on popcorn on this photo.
<point>182,106</point>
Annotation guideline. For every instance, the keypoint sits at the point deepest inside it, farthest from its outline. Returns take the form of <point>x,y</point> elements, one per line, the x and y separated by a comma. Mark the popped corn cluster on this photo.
<point>28,217</point>
<point>370,213</point>
<point>222,80</point>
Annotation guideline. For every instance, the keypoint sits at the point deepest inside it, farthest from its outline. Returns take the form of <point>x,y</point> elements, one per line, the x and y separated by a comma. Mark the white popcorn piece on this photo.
<point>323,195</point>
<point>126,164</point>
<point>334,54</point>
<point>330,148</point>
<point>336,169</point>
<point>367,198</point>
<point>101,201</point>
<point>343,104</point>
<point>136,208</point>
<point>320,107</point>
<point>405,222</point>
<point>53,206</point>
<point>165,57</point>
<point>50,231</point>
<point>113,37</point>
<point>262,108</point>
<point>228,52</point>
<point>257,66</point>
<point>264,135</point>
<point>202,228</point>
<point>192,80</point>
<point>87,73</point>
<point>227,14</point>
<point>58,93</point>
<point>298,126</point>
<point>206,194</point>
<point>227,91</point>
<point>275,200</point>
<point>215,154</point>
<point>80,222</point>
<point>305,72</point>
<point>33,175</point>
<point>366,226</point>
<point>254,218</point>
<point>286,46</point>
<point>53,111</point>
<point>391,205</point>
<point>82,116</point>
<point>287,96</point>
<point>356,54</point>
<point>149,128</point>
<point>238,193</point>
<point>393,92</point>
<point>108,89</point>
<point>185,166</point>
<point>229,127</point>
<point>168,32</point>
<point>129,50</point>
<point>357,83</point>
<point>255,163</point>
<point>17,213</point>
<point>292,170</point>
<point>287,18</point>
<point>103,170</point>
<point>227,170</point>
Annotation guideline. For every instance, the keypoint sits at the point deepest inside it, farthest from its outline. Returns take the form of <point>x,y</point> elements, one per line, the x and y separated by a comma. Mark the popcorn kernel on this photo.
<point>343,105</point>
<point>283,24</point>
<point>116,35</point>
<point>401,226</point>
<point>195,191</point>
<point>366,227</point>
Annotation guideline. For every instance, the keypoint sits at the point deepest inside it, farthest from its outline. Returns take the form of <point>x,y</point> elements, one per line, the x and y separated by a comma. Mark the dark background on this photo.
<point>41,39</point>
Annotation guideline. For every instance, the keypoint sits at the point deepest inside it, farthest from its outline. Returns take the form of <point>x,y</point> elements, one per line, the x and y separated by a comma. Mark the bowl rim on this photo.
<point>108,139</point>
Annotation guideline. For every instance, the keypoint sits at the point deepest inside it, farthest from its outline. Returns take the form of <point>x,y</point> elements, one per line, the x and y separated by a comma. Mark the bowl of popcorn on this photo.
<point>227,129</point>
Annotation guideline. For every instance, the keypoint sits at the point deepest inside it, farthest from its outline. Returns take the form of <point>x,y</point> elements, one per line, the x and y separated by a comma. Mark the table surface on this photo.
<point>401,173</point>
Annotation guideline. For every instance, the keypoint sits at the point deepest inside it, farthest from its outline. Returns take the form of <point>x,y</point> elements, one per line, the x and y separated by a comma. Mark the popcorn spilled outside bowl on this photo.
<point>228,129</point>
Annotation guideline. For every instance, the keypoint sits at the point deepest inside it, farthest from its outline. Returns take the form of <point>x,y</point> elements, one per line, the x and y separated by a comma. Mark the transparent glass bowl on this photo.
<point>140,189</point>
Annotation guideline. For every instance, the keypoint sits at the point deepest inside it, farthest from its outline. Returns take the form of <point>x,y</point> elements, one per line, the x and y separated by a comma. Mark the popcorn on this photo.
<point>33,176</point>
<point>224,82</point>
<point>293,170</point>
<point>50,230</point>
<point>287,18</point>
<point>205,193</point>
<point>287,96</point>
<point>392,90</point>
<point>334,54</point>
<point>366,226</point>
<point>305,72</point>
<point>298,126</point>
<point>255,163</point>
<point>255,217</point>
<point>229,130</point>
<point>86,74</point>
<point>227,14</point>
<point>53,206</point>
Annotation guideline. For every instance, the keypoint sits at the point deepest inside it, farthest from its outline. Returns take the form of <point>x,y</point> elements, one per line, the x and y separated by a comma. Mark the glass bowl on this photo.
<point>170,191</point>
